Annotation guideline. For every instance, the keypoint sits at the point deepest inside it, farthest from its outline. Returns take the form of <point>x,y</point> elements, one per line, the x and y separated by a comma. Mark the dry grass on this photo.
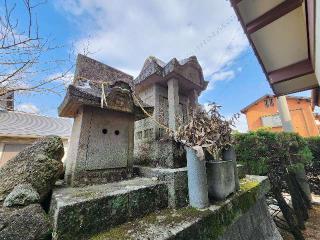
<point>312,231</point>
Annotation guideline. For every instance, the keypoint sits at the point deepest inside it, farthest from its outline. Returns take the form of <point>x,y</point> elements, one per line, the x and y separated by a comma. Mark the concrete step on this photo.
<point>244,213</point>
<point>79,212</point>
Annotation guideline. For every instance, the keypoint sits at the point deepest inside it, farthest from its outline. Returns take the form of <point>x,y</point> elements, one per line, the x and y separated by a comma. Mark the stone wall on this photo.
<point>256,224</point>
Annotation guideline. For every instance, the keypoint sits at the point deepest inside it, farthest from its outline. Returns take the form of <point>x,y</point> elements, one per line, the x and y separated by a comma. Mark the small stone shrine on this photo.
<point>101,144</point>
<point>100,156</point>
<point>173,89</point>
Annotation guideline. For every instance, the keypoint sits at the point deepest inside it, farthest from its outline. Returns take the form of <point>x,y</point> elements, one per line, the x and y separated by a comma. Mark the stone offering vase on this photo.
<point>222,176</point>
<point>208,130</point>
<point>197,180</point>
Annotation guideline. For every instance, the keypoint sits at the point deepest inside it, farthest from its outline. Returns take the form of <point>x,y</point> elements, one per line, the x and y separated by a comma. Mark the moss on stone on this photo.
<point>200,224</point>
<point>247,185</point>
<point>84,194</point>
<point>167,217</point>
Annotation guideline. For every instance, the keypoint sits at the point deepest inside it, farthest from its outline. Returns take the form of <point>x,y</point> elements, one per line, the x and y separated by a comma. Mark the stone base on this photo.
<point>244,216</point>
<point>78,212</point>
<point>103,176</point>
<point>176,180</point>
<point>162,154</point>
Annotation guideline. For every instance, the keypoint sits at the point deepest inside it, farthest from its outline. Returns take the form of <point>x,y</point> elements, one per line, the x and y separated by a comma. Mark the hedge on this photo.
<point>314,146</point>
<point>313,170</point>
<point>255,149</point>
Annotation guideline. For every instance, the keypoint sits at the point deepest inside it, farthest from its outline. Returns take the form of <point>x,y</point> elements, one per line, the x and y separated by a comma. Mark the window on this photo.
<point>271,121</point>
<point>268,102</point>
<point>10,151</point>
<point>139,135</point>
<point>148,133</point>
<point>161,132</point>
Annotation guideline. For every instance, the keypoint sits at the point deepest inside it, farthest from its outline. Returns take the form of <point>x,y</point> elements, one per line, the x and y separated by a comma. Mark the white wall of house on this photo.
<point>11,146</point>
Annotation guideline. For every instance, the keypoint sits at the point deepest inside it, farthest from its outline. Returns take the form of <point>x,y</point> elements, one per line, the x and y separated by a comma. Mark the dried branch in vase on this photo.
<point>207,129</point>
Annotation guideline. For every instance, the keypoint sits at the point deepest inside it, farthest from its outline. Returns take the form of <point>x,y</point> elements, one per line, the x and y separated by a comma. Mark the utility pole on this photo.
<point>288,127</point>
<point>284,114</point>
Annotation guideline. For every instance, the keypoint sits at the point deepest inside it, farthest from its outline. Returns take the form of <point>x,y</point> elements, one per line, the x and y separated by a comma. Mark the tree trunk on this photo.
<point>299,208</point>
<point>287,213</point>
<point>304,196</point>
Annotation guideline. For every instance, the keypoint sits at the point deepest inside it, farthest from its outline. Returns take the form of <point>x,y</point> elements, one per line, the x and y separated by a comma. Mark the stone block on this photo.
<point>222,221</point>
<point>160,154</point>
<point>101,143</point>
<point>79,212</point>
<point>176,180</point>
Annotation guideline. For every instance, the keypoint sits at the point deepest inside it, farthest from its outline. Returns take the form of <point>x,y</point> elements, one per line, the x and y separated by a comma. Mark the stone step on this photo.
<point>79,212</point>
<point>242,216</point>
<point>176,180</point>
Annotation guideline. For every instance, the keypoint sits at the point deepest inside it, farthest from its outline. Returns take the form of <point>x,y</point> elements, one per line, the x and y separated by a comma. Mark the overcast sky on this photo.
<point>123,33</point>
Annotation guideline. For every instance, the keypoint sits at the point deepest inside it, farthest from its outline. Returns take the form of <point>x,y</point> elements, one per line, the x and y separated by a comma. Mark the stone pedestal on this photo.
<point>76,213</point>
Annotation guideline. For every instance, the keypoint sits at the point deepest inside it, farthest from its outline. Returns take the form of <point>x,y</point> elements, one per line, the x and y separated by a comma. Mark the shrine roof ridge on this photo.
<point>154,65</point>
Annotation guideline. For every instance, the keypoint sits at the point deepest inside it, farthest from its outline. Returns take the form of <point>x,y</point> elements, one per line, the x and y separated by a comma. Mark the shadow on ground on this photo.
<point>312,231</point>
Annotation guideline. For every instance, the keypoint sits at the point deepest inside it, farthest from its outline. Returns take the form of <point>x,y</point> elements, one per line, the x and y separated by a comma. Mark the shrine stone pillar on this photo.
<point>193,99</point>
<point>173,101</point>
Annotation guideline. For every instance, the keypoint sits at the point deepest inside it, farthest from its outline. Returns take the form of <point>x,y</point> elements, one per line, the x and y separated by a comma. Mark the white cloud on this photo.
<point>28,108</point>
<point>63,78</point>
<point>124,33</point>
<point>241,124</point>
<point>220,76</point>
<point>206,106</point>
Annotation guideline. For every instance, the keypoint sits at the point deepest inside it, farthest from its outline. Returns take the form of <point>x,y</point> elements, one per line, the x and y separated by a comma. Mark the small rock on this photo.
<point>27,223</point>
<point>22,195</point>
<point>59,183</point>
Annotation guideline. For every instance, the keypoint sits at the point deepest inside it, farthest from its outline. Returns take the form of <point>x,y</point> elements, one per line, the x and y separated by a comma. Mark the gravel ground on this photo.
<point>312,231</point>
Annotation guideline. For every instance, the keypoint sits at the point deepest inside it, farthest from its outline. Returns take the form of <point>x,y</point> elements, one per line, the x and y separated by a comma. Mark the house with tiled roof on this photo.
<point>264,113</point>
<point>18,130</point>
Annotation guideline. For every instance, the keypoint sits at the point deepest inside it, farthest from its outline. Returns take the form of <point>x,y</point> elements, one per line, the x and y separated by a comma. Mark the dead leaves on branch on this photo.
<point>207,129</point>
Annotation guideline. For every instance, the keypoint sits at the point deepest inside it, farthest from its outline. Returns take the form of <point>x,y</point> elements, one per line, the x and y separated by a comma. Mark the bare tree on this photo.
<point>27,59</point>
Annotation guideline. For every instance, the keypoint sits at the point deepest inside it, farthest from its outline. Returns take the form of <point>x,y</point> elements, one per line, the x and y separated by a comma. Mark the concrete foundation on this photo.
<point>79,212</point>
<point>244,216</point>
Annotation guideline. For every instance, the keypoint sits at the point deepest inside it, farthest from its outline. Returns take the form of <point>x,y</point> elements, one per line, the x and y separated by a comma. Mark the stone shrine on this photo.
<point>101,156</point>
<point>101,144</point>
<point>172,89</point>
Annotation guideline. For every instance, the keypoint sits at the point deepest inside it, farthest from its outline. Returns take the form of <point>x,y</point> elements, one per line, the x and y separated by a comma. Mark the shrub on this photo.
<point>256,149</point>
<point>313,170</point>
<point>314,146</point>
